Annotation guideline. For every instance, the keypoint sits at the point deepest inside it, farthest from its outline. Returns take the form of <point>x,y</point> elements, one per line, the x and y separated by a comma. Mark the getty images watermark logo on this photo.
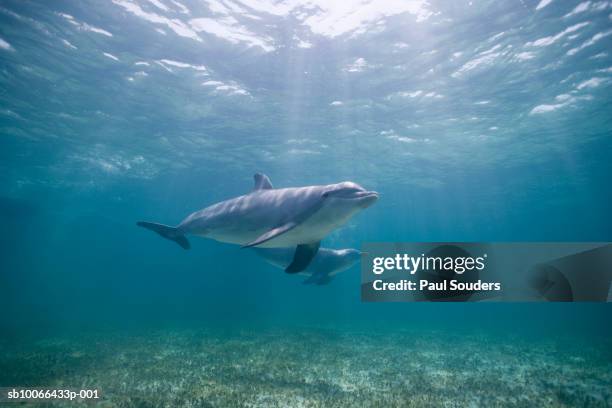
<point>425,271</point>
<point>445,272</point>
<point>475,271</point>
<point>413,264</point>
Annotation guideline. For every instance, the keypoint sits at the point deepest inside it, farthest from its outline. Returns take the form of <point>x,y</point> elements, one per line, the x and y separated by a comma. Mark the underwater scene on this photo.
<point>186,187</point>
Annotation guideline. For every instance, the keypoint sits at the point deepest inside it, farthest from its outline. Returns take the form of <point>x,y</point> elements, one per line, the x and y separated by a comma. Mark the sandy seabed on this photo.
<point>314,368</point>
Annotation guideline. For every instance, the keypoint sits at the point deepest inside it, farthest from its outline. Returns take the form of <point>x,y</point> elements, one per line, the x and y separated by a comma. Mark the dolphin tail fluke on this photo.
<point>171,233</point>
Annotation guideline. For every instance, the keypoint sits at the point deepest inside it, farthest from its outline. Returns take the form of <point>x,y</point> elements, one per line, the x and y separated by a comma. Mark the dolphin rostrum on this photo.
<point>274,218</point>
<point>324,266</point>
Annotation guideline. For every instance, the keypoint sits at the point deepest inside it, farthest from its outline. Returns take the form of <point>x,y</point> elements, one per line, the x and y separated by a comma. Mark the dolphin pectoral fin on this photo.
<point>311,279</point>
<point>273,233</point>
<point>171,233</point>
<point>324,280</point>
<point>288,226</point>
<point>302,257</point>
<point>316,277</point>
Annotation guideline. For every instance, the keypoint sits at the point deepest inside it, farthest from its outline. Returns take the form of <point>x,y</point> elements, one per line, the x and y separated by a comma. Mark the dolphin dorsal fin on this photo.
<point>262,182</point>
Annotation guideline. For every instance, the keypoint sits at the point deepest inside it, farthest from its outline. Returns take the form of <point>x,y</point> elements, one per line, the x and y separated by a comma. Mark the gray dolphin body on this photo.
<point>274,218</point>
<point>326,264</point>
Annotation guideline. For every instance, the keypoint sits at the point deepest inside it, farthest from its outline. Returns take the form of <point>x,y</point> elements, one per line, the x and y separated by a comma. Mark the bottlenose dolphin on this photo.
<point>274,218</point>
<point>324,266</point>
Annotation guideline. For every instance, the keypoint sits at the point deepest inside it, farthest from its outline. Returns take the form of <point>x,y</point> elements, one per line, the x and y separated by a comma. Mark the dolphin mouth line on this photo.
<point>360,195</point>
<point>367,194</point>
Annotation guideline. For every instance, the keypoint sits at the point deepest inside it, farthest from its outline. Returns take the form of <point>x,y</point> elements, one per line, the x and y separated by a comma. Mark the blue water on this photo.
<point>474,120</point>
